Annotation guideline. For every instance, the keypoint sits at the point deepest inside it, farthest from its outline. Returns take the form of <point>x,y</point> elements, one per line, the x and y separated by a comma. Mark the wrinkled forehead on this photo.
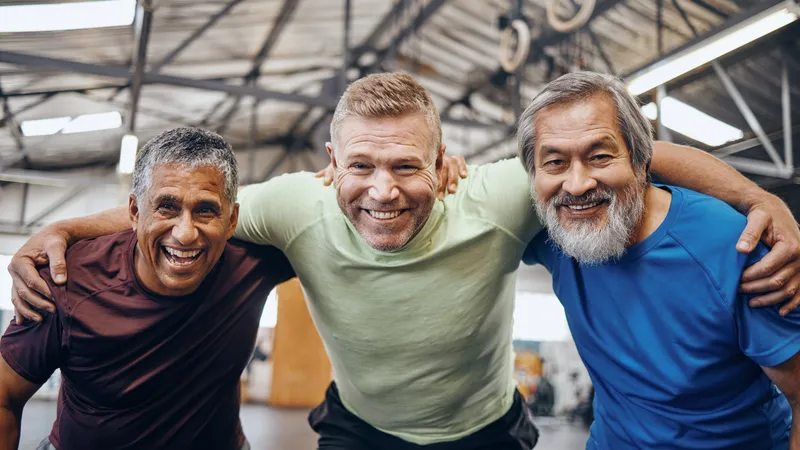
<point>184,182</point>
<point>405,136</point>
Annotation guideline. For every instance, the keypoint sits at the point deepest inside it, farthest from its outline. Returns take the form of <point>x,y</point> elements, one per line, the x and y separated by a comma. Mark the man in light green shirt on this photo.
<point>413,297</point>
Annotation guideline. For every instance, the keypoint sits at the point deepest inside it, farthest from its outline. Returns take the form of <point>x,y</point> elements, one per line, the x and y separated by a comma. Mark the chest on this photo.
<point>442,298</point>
<point>125,349</point>
<point>655,327</point>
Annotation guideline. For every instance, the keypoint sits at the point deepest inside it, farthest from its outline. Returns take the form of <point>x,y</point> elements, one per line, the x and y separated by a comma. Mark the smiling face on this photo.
<point>386,177</point>
<point>585,187</point>
<point>182,228</point>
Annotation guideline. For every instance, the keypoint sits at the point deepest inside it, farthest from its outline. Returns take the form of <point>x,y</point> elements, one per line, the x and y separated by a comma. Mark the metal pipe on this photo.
<point>786,103</point>
<point>144,23</point>
<point>194,36</point>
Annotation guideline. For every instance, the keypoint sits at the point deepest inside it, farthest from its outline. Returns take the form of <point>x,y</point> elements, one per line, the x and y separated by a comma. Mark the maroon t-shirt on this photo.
<point>139,370</point>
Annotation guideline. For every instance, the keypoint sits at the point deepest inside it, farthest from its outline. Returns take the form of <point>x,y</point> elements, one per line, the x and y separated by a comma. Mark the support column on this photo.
<point>301,370</point>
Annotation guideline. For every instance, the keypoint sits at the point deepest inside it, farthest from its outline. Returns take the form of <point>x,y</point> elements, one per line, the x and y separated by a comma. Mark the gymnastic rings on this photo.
<point>579,20</point>
<point>510,60</point>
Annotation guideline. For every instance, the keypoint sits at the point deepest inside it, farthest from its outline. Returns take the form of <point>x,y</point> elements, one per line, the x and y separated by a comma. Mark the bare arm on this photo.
<point>787,377</point>
<point>697,170</point>
<point>15,391</point>
<point>777,275</point>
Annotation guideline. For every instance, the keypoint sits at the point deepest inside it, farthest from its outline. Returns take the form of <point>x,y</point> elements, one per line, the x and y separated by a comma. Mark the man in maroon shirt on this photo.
<point>155,325</point>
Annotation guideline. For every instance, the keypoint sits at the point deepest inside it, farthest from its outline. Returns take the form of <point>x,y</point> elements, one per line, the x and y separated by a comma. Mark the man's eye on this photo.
<point>166,207</point>
<point>358,166</point>
<point>600,157</point>
<point>554,163</point>
<point>407,168</point>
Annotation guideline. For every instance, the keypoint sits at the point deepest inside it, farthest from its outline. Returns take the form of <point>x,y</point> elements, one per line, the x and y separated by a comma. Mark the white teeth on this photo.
<point>182,254</point>
<point>580,207</point>
<point>384,214</point>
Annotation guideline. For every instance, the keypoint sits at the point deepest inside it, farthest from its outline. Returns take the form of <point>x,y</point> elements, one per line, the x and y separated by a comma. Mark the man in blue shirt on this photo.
<point>649,278</point>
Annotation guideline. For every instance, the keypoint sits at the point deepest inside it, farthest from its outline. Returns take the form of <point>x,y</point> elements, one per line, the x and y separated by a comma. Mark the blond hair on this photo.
<point>385,95</point>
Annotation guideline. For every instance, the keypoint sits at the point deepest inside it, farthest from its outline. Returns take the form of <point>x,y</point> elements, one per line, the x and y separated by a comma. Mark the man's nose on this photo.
<point>384,187</point>
<point>579,180</point>
<point>185,232</point>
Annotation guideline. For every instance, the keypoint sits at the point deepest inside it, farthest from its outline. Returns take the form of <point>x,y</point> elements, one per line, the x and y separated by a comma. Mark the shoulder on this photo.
<point>96,264</point>
<point>706,222</point>
<point>290,188</point>
<point>261,260</point>
<point>708,229</point>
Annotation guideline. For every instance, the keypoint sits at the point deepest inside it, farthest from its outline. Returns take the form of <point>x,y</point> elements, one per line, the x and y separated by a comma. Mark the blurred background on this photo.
<point>83,84</point>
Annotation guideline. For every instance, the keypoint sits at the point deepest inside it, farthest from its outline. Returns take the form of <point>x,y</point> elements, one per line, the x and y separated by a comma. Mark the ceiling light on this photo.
<point>127,154</point>
<point>94,122</point>
<point>712,48</point>
<point>44,127</point>
<point>692,123</point>
<point>67,16</point>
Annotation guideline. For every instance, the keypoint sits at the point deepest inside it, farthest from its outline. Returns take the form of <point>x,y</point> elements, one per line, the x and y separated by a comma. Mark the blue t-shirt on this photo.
<point>671,346</point>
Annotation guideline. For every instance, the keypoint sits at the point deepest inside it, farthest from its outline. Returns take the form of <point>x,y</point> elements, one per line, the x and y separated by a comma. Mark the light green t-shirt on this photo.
<point>419,338</point>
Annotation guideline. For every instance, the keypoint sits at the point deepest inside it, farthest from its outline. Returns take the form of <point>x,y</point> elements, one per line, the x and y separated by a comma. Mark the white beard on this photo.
<point>585,240</point>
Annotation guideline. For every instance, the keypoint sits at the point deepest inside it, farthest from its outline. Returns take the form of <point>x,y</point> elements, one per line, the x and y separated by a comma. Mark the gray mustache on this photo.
<point>592,196</point>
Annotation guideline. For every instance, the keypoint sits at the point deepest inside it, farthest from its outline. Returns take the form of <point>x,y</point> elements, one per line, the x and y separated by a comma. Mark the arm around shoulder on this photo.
<point>271,213</point>
<point>787,377</point>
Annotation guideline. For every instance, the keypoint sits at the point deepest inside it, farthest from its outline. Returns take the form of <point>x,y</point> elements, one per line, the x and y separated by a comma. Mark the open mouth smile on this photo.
<point>384,215</point>
<point>181,257</point>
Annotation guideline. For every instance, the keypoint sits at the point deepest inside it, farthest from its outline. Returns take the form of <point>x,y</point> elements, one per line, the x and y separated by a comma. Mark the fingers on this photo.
<point>462,166</point>
<point>329,172</point>
<point>320,174</point>
<point>56,254</point>
<point>452,178</point>
<point>22,309</point>
<point>25,277</point>
<point>777,281</point>
<point>790,291</point>
<point>780,255</point>
<point>757,223</point>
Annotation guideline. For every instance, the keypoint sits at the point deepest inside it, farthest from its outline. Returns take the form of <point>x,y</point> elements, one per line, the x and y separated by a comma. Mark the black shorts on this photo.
<point>339,429</point>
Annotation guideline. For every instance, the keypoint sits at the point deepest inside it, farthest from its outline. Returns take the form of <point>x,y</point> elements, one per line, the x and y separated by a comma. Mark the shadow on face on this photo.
<point>386,177</point>
<point>182,228</point>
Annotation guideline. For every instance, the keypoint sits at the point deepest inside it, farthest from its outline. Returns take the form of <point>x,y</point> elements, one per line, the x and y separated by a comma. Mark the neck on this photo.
<point>656,207</point>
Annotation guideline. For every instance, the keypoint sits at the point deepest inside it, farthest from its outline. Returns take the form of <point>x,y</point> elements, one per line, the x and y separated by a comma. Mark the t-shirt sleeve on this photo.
<point>272,212</point>
<point>503,191</point>
<point>33,349</point>
<point>765,336</point>
<point>539,251</point>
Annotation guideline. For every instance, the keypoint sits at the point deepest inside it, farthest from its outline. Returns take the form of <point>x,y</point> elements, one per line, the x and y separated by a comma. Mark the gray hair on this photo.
<point>634,127</point>
<point>190,147</point>
<point>384,95</point>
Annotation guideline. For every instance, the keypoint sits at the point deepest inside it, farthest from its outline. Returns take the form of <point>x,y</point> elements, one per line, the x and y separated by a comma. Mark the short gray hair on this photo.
<point>384,95</point>
<point>634,127</point>
<point>190,147</point>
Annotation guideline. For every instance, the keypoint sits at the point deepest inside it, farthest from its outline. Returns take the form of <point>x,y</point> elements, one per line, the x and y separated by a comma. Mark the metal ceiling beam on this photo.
<point>369,44</point>
<point>27,107</point>
<point>50,93</point>
<point>249,79</point>
<point>45,178</point>
<point>425,13</point>
<point>194,36</point>
<point>144,24</point>
<point>121,72</point>
<point>760,7</point>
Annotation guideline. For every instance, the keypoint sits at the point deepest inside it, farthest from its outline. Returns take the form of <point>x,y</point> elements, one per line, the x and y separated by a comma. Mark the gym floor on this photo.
<point>282,429</point>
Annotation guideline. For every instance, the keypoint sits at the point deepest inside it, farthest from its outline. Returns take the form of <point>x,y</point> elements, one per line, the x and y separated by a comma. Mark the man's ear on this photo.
<point>440,157</point>
<point>234,220</point>
<point>133,211</point>
<point>329,148</point>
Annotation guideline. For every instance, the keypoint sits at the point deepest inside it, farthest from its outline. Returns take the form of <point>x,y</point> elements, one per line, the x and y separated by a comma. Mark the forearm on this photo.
<point>107,222</point>
<point>697,170</point>
<point>9,428</point>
